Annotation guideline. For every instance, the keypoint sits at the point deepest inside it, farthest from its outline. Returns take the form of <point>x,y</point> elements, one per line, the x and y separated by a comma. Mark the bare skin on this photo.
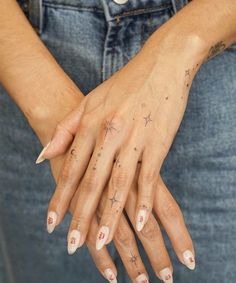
<point>134,116</point>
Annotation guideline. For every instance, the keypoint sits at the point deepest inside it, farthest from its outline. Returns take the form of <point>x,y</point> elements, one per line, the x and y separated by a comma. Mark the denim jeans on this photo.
<point>91,40</point>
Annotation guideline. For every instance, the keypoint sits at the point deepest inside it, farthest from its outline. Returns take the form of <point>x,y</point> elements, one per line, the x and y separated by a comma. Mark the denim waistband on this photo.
<point>112,10</point>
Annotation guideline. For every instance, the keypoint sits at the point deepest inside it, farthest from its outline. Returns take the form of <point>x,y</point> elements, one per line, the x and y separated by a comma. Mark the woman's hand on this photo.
<point>131,117</point>
<point>151,238</point>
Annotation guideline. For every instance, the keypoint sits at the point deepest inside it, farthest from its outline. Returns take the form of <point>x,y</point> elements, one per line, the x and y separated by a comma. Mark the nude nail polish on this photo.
<point>51,221</point>
<point>110,276</point>
<point>189,259</point>
<point>142,278</point>
<point>102,237</point>
<point>73,241</point>
<point>41,157</point>
<point>141,219</point>
<point>166,275</point>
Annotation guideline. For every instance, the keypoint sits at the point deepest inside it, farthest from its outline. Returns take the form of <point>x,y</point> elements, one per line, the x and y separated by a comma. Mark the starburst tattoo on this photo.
<point>133,259</point>
<point>114,199</point>
<point>147,119</point>
<point>109,127</point>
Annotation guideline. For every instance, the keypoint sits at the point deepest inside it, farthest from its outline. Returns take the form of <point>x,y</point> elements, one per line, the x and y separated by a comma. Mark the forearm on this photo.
<point>198,32</point>
<point>29,73</point>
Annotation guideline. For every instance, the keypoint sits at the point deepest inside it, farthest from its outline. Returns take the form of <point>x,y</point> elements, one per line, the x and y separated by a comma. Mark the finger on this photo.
<point>95,179</point>
<point>102,258</point>
<point>151,239</point>
<point>121,179</point>
<point>172,220</point>
<point>64,134</point>
<point>126,246</point>
<point>72,171</point>
<point>147,181</point>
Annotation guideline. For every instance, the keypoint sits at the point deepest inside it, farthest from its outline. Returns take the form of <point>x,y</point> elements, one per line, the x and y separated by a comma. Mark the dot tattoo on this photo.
<point>147,119</point>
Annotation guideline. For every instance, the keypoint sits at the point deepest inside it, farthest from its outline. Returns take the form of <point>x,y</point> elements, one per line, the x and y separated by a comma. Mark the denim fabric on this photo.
<point>91,40</point>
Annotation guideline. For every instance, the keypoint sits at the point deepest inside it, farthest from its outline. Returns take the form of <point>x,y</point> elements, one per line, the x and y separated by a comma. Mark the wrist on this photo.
<point>44,118</point>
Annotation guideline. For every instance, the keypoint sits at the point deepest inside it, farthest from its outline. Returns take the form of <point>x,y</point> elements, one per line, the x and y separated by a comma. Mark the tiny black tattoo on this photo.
<point>147,119</point>
<point>114,199</point>
<point>133,259</point>
<point>166,98</point>
<point>187,73</point>
<point>109,127</point>
<point>216,49</point>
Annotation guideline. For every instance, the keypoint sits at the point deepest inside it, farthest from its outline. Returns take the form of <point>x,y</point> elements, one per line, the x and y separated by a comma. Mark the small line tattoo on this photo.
<point>147,119</point>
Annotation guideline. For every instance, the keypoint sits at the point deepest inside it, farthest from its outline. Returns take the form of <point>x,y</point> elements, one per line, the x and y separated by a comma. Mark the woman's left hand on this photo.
<point>131,117</point>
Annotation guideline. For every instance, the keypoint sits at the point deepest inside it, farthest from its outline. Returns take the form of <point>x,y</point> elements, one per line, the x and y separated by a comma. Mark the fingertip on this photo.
<point>41,156</point>
<point>189,260</point>
<point>51,221</point>
<point>102,237</point>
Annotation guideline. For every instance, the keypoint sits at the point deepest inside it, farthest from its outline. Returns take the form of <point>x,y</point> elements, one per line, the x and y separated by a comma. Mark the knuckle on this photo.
<point>148,178</point>
<point>89,183</point>
<point>170,210</point>
<point>120,179</point>
<point>150,230</point>
<point>124,237</point>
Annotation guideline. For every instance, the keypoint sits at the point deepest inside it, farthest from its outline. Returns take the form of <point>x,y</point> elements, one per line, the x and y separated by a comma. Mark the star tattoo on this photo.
<point>109,127</point>
<point>147,119</point>
<point>133,259</point>
<point>114,199</point>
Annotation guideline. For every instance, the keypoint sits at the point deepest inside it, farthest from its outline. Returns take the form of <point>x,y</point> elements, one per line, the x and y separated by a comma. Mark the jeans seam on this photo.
<point>73,8</point>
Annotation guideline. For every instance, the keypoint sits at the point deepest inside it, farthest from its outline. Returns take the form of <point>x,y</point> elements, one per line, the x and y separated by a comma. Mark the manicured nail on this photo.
<point>189,259</point>
<point>141,219</point>
<point>142,278</point>
<point>110,276</point>
<point>51,221</point>
<point>102,237</point>
<point>73,241</point>
<point>41,157</point>
<point>166,275</point>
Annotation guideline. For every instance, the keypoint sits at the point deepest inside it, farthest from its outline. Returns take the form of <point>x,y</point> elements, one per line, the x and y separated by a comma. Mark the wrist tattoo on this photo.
<point>216,49</point>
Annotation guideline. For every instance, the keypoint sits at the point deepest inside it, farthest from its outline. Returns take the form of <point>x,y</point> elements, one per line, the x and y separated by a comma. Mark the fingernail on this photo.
<point>141,219</point>
<point>166,275</point>
<point>41,157</point>
<point>189,259</point>
<point>51,221</point>
<point>73,241</point>
<point>142,278</point>
<point>110,276</point>
<point>102,237</point>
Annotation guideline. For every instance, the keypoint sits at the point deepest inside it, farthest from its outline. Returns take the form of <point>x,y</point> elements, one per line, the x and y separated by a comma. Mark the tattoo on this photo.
<point>135,149</point>
<point>187,73</point>
<point>133,259</point>
<point>118,162</point>
<point>147,119</point>
<point>167,97</point>
<point>216,49</point>
<point>114,199</point>
<point>109,127</point>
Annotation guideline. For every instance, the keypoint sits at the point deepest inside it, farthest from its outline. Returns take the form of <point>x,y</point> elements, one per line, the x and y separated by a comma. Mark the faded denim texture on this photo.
<point>91,40</point>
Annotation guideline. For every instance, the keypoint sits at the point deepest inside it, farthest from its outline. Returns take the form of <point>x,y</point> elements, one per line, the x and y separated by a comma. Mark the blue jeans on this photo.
<point>91,40</point>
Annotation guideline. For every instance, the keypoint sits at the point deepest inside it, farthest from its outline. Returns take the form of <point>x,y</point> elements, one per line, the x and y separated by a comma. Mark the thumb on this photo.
<point>63,135</point>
